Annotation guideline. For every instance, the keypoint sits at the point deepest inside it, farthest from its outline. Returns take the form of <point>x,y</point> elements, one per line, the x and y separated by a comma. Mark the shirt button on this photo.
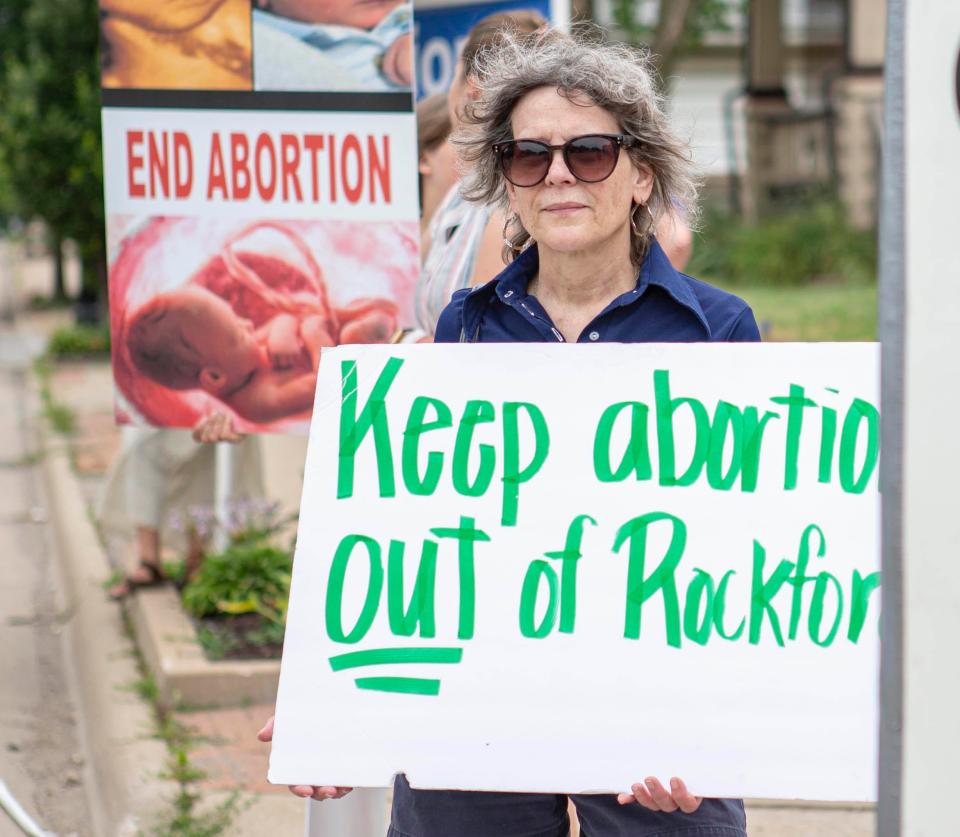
<point>594,335</point>
<point>508,294</point>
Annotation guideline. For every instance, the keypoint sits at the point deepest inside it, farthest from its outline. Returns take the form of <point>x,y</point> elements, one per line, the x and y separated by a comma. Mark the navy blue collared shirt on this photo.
<point>665,307</point>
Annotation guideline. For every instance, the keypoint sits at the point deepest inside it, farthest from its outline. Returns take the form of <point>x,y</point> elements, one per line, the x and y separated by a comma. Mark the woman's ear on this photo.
<point>643,183</point>
<point>212,380</point>
<point>424,167</point>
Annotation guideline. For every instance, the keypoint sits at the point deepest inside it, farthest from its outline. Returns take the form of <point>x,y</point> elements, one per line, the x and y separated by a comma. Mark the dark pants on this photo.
<point>424,813</point>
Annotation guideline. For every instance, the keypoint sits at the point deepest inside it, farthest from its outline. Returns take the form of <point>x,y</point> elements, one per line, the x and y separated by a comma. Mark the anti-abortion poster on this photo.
<point>513,573</point>
<point>261,197</point>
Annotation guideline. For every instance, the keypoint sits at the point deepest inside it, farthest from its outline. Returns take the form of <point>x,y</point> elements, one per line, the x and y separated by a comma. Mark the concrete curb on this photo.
<point>184,676</point>
<point>126,793</point>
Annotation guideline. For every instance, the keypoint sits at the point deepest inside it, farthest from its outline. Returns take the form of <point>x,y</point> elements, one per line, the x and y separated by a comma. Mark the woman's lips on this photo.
<point>564,208</point>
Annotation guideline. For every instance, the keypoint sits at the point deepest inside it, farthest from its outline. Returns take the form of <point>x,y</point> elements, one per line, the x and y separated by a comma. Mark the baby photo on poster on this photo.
<point>232,315</point>
<point>333,45</point>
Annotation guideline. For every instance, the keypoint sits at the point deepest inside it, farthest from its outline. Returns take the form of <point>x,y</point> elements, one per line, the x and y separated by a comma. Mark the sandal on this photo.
<point>151,576</point>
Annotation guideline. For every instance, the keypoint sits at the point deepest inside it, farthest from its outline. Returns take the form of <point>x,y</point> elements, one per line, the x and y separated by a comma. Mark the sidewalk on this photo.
<point>225,746</point>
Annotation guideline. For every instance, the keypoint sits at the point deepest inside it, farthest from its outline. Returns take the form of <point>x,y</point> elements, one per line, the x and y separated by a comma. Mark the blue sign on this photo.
<point>439,34</point>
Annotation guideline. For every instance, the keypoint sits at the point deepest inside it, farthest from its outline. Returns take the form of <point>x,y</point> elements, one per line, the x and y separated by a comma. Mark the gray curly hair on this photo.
<point>617,77</point>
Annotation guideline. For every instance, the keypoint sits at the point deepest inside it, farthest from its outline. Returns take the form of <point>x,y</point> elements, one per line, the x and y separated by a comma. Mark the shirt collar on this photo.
<point>511,283</point>
<point>657,270</point>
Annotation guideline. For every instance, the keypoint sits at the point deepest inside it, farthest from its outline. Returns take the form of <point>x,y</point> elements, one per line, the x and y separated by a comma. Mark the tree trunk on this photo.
<point>667,38</point>
<point>91,307</point>
<point>59,283</point>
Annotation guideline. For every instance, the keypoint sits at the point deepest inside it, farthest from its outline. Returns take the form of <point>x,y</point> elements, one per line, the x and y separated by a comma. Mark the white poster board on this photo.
<point>571,567</point>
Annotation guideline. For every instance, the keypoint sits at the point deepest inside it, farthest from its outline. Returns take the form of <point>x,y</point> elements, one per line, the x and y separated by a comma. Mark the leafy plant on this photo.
<point>249,576</point>
<point>71,341</point>
<point>62,419</point>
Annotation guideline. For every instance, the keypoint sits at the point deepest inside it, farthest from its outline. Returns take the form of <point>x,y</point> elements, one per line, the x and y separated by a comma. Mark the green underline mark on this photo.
<point>386,656</point>
<point>404,685</point>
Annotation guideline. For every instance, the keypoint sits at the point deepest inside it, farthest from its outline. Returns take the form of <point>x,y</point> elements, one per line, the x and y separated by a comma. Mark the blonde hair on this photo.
<point>616,77</point>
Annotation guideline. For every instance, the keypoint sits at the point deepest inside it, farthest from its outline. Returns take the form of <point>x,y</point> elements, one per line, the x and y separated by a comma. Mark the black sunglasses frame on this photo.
<point>620,141</point>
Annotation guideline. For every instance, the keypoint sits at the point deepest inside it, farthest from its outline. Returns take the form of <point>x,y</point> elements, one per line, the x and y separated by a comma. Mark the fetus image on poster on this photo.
<point>244,331</point>
<point>333,45</point>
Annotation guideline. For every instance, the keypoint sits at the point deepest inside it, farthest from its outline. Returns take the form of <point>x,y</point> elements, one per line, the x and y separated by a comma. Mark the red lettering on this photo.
<point>134,164</point>
<point>379,168</point>
<point>332,159</point>
<point>266,189</point>
<point>182,165</point>
<point>354,190</point>
<point>290,163</point>
<point>159,165</point>
<point>314,144</point>
<point>239,156</point>
<point>217,178</point>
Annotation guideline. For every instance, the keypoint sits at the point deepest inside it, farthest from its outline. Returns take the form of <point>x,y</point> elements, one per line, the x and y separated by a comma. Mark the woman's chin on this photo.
<point>569,241</point>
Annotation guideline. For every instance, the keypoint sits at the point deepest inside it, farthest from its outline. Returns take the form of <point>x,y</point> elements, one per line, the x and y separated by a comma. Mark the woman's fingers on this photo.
<point>686,801</point>
<point>640,795</point>
<point>217,427</point>
<point>266,734</point>
<point>318,792</point>
<point>660,795</point>
<point>653,795</point>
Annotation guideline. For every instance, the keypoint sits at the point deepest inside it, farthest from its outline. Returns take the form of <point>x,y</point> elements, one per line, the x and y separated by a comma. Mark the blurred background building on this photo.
<point>781,98</point>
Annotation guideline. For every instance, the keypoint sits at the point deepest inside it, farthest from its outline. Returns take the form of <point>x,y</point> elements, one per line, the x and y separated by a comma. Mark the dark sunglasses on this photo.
<point>590,158</point>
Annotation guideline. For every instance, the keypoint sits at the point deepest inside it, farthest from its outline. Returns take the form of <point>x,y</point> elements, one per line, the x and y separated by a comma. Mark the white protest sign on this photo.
<point>565,568</point>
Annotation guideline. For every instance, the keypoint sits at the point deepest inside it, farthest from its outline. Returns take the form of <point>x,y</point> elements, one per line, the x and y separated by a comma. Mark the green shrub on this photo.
<point>79,340</point>
<point>248,577</point>
<point>802,245</point>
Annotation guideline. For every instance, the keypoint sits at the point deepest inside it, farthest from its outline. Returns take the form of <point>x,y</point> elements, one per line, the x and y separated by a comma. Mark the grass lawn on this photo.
<point>819,311</point>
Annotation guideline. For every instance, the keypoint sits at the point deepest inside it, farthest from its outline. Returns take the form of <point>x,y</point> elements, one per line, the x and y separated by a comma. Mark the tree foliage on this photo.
<point>50,158</point>
<point>678,27</point>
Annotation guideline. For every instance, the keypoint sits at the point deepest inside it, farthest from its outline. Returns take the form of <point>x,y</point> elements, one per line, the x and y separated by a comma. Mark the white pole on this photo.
<point>560,14</point>
<point>17,813</point>
<point>361,813</point>
<point>225,459</point>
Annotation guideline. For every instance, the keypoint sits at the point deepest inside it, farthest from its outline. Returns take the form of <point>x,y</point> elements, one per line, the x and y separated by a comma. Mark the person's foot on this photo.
<point>145,574</point>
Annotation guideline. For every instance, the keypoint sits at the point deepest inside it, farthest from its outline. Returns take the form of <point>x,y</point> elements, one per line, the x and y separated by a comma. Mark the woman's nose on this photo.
<point>558,173</point>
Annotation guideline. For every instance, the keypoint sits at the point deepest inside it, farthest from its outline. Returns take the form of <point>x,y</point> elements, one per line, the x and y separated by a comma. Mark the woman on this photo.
<point>465,238</point>
<point>437,160</point>
<point>569,139</point>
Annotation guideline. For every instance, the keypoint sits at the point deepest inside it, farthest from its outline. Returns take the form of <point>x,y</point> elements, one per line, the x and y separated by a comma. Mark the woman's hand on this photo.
<point>656,797</point>
<point>317,792</point>
<point>217,427</point>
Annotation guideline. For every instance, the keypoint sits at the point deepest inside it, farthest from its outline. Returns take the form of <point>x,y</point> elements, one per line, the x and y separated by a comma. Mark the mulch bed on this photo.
<point>243,637</point>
